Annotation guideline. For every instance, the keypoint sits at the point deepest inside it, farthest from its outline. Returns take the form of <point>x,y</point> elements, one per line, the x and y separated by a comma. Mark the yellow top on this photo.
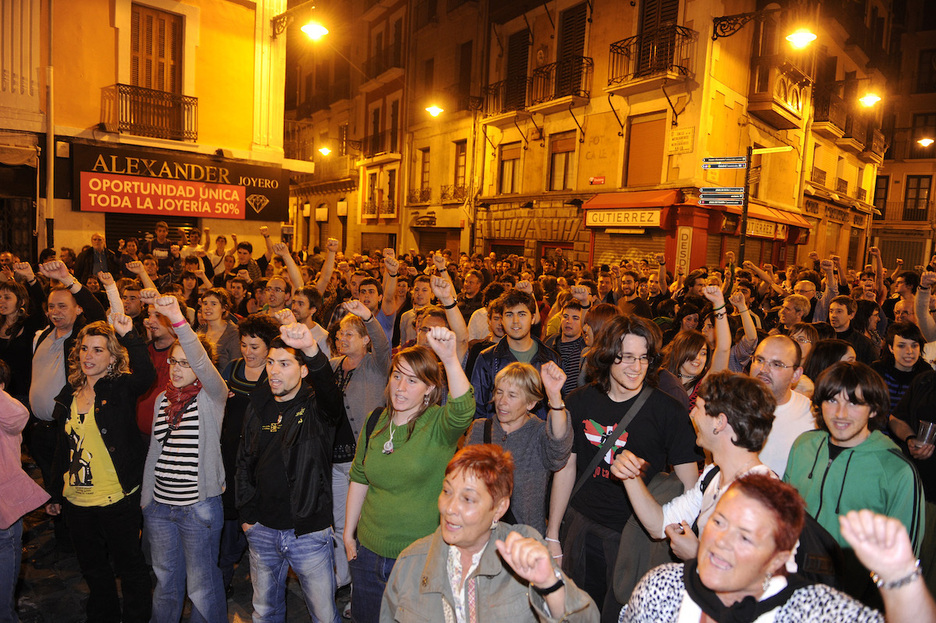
<point>91,479</point>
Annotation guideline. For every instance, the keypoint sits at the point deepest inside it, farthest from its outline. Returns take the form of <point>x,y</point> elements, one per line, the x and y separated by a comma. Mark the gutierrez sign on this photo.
<point>156,183</point>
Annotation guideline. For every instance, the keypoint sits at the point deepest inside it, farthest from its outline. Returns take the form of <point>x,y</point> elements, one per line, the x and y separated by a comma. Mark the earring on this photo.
<point>426,400</point>
<point>714,431</point>
<point>493,524</point>
<point>110,367</point>
<point>766,583</point>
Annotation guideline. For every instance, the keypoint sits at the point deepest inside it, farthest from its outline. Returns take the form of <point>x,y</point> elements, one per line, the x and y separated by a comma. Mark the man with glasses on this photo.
<point>777,362</point>
<point>278,293</point>
<point>624,358</point>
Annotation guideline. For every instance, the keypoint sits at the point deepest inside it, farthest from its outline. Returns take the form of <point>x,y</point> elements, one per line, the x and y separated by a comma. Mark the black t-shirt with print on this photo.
<point>661,434</point>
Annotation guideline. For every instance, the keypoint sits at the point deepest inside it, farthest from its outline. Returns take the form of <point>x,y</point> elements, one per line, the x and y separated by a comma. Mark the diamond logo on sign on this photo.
<point>257,202</point>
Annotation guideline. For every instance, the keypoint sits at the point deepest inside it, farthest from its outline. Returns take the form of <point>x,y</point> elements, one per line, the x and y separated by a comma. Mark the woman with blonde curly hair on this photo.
<point>98,466</point>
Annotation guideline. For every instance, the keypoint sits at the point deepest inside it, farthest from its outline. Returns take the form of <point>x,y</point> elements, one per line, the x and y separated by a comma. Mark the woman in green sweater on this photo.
<point>398,469</point>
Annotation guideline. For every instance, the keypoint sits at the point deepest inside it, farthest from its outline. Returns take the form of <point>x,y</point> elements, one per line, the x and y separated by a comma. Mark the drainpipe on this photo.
<point>50,138</point>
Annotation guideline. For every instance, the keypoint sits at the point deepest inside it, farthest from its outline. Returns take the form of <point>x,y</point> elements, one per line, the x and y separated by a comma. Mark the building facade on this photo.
<point>903,193</point>
<point>129,112</point>
<point>586,126</point>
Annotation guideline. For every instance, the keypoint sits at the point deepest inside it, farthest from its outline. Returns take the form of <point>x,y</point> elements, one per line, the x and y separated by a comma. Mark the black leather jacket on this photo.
<point>115,400</point>
<point>305,441</point>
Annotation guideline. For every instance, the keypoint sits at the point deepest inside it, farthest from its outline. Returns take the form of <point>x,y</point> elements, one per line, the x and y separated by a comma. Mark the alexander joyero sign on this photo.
<point>134,181</point>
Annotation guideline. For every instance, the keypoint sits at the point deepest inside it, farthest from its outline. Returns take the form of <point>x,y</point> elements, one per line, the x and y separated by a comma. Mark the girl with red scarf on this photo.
<point>184,478</point>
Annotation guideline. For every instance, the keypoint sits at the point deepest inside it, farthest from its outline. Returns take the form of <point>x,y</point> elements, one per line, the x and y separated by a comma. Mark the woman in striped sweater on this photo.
<point>184,478</point>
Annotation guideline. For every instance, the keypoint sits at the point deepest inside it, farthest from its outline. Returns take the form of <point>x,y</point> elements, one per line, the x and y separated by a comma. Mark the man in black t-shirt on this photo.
<point>623,359</point>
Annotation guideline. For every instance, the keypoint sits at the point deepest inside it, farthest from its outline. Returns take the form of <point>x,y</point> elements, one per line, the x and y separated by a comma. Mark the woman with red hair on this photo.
<point>477,568</point>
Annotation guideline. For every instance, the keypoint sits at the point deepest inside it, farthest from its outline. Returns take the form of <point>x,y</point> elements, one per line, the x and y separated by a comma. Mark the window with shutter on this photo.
<point>561,154</point>
<point>657,41</point>
<point>518,56</point>
<point>156,49</point>
<point>570,51</point>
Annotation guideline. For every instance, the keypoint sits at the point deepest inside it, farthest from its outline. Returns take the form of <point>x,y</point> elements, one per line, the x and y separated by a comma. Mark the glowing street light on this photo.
<point>925,142</point>
<point>324,151</point>
<point>801,38</point>
<point>434,110</point>
<point>869,99</point>
<point>314,30</point>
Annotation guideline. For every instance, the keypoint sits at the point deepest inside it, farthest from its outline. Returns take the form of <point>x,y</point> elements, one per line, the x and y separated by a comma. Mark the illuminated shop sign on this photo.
<point>133,181</point>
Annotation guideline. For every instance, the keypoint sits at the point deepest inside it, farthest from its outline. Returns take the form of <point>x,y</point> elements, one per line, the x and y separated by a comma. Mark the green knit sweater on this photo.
<point>402,502</point>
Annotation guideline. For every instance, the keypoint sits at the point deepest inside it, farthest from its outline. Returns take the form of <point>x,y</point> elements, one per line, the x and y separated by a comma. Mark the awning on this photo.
<point>640,199</point>
<point>771,214</point>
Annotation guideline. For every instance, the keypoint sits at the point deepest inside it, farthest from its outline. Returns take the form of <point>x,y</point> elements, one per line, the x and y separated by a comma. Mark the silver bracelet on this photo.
<point>880,583</point>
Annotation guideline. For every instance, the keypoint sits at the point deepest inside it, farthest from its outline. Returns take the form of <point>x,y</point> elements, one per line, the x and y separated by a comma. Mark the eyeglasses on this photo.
<point>182,363</point>
<point>776,365</point>
<point>632,359</point>
<point>277,290</point>
<point>802,340</point>
<point>424,329</point>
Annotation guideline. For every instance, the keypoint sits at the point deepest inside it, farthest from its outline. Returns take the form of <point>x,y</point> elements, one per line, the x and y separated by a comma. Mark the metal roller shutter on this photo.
<point>611,248</point>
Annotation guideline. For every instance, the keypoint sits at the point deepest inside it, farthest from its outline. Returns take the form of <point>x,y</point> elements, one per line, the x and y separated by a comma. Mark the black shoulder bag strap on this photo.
<point>369,425</point>
<point>609,442</point>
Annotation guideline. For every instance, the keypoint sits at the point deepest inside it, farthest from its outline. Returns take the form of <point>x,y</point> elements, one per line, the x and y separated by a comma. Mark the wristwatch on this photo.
<point>555,587</point>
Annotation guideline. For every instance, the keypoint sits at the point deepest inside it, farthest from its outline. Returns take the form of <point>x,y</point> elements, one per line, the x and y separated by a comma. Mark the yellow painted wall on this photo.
<point>224,78</point>
<point>84,60</point>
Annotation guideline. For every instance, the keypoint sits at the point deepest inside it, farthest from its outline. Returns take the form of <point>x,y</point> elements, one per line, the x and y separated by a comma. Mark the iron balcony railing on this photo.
<point>875,144</point>
<point>452,193</point>
<point>298,140</point>
<point>861,194</point>
<point>570,75</point>
<point>419,195</point>
<point>374,208</point>
<point>830,108</point>
<point>506,96</point>
<point>387,58</point>
<point>147,112</point>
<point>659,51</point>
<point>856,128</point>
<point>818,176</point>
<point>907,210</point>
<point>380,143</point>
<point>841,186</point>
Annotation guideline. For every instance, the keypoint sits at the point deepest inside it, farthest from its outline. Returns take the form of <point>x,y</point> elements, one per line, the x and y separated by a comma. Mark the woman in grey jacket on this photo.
<point>361,372</point>
<point>184,478</point>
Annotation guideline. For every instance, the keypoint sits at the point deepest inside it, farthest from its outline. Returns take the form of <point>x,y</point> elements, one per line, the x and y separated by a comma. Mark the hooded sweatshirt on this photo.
<point>873,475</point>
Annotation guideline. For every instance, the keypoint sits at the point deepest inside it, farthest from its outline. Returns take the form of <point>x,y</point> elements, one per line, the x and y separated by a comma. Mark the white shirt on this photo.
<point>790,421</point>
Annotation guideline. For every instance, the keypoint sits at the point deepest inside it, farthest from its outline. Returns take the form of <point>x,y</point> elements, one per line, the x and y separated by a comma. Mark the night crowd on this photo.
<point>470,438</point>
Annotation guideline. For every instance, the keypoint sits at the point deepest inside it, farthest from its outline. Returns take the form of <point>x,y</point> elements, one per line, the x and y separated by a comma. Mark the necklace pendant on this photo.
<point>388,447</point>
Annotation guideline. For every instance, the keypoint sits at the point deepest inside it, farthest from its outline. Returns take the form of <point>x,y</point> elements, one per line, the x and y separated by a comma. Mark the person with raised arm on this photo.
<point>399,464</point>
<point>98,466</point>
<point>283,488</point>
<point>184,478</point>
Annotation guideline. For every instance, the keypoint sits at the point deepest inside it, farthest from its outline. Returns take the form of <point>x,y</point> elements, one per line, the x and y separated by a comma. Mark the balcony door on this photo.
<point>156,49</point>
<point>570,51</point>
<point>518,56</point>
<point>657,36</point>
<point>155,63</point>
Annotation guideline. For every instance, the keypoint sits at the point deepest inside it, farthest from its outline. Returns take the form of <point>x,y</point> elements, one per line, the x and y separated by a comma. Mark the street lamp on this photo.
<point>279,23</point>
<point>925,142</point>
<point>728,25</point>
<point>434,110</point>
<point>314,30</point>
<point>800,38</point>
